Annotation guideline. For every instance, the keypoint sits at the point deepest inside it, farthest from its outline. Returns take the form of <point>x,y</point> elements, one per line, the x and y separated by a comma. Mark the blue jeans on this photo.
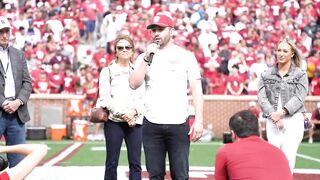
<point>14,133</point>
<point>158,139</point>
<point>114,133</point>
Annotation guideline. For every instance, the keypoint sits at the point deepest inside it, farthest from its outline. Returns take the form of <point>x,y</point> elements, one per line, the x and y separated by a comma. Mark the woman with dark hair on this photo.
<point>282,92</point>
<point>125,107</point>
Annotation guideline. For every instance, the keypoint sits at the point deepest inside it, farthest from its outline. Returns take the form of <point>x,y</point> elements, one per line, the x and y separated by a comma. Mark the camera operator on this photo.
<point>249,157</point>
<point>33,153</point>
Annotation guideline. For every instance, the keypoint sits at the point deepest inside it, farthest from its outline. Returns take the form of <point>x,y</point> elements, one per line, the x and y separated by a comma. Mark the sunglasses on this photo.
<point>121,48</point>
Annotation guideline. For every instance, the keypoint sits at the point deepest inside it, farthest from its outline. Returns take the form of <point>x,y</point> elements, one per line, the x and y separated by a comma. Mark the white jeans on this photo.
<point>289,138</point>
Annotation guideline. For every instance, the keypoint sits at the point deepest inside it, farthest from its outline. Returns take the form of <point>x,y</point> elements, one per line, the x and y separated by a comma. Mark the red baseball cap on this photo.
<point>161,20</point>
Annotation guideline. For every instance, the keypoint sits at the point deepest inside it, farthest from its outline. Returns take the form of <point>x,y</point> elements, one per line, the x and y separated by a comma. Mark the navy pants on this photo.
<point>14,133</point>
<point>114,133</point>
<point>160,139</point>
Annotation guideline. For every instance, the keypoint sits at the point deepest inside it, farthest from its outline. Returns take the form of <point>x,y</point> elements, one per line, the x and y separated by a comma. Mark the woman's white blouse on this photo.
<point>116,95</point>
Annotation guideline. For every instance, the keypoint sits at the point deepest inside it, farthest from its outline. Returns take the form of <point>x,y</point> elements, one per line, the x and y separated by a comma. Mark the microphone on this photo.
<point>151,54</point>
<point>150,58</point>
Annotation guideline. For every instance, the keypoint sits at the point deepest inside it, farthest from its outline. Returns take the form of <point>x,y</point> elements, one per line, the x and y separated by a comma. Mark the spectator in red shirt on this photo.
<point>90,88</point>
<point>315,117</point>
<point>90,11</point>
<point>219,83</point>
<point>69,81</point>
<point>56,79</point>
<point>39,21</point>
<point>315,84</point>
<point>235,83</point>
<point>41,84</point>
<point>99,54</point>
<point>40,52</point>
<point>102,64</point>
<point>249,157</point>
<point>81,19</point>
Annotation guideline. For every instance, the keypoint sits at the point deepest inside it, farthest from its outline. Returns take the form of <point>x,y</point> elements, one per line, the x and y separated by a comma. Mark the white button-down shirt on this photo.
<point>9,80</point>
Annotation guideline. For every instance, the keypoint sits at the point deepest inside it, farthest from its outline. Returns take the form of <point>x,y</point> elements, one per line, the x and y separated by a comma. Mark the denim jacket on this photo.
<point>292,89</point>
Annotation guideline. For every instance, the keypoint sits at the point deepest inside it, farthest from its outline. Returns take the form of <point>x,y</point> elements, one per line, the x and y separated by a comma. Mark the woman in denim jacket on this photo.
<point>282,92</point>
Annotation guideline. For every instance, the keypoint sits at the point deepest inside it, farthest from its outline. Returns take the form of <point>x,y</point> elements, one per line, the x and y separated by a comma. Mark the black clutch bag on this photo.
<point>3,163</point>
<point>99,115</point>
<point>307,122</point>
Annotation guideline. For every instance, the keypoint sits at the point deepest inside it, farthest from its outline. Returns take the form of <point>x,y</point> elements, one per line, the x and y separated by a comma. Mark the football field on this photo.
<point>85,160</point>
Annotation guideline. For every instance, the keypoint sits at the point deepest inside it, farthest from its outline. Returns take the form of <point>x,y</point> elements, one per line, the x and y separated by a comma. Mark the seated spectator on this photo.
<point>56,79</point>
<point>90,87</point>
<point>315,84</point>
<point>60,58</point>
<point>259,66</point>
<point>315,119</point>
<point>99,54</point>
<point>252,84</point>
<point>20,38</point>
<point>235,83</point>
<point>34,154</point>
<point>69,80</point>
<point>218,83</point>
<point>249,157</point>
<point>41,84</point>
<point>40,52</point>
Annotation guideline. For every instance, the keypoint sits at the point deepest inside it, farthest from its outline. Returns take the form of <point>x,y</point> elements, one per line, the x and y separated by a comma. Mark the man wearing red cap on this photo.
<point>167,71</point>
<point>15,90</point>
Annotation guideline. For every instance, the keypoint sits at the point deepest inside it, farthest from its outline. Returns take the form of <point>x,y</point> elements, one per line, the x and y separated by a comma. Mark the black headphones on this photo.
<point>3,163</point>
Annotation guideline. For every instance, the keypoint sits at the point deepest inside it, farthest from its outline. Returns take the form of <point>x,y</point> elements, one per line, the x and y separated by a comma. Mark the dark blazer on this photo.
<point>22,80</point>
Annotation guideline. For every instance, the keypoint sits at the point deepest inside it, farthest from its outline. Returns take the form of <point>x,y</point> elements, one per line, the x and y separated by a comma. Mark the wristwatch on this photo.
<point>268,115</point>
<point>21,102</point>
<point>145,58</point>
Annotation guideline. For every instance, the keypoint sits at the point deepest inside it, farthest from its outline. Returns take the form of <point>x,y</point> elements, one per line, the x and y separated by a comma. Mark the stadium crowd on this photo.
<point>233,40</point>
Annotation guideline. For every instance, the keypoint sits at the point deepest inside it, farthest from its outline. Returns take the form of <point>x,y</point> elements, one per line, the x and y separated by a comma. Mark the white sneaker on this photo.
<point>310,140</point>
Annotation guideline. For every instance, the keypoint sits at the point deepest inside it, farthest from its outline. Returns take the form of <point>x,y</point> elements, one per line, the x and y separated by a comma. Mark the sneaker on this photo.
<point>310,140</point>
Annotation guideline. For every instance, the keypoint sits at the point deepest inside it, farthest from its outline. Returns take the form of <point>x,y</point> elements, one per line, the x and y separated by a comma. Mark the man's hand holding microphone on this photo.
<point>151,49</point>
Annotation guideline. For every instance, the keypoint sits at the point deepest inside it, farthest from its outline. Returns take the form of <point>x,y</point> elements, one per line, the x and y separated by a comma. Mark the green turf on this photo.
<point>85,156</point>
<point>311,150</point>
<point>201,154</point>
<point>54,146</point>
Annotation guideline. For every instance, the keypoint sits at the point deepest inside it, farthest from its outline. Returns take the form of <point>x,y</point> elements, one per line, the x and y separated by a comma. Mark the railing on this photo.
<point>48,109</point>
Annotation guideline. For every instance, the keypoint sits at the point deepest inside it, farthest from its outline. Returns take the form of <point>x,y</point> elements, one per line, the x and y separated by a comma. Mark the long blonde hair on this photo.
<point>296,53</point>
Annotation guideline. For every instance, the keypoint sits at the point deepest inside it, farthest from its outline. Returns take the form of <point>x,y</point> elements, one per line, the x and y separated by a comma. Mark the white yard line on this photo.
<point>97,172</point>
<point>309,157</point>
<point>63,154</point>
<point>103,148</point>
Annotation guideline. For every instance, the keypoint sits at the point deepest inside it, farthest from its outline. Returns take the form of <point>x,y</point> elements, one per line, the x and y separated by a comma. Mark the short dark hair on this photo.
<point>244,123</point>
<point>235,66</point>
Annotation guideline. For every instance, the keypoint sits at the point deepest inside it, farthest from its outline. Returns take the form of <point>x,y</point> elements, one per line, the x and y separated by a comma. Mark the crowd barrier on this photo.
<point>49,109</point>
